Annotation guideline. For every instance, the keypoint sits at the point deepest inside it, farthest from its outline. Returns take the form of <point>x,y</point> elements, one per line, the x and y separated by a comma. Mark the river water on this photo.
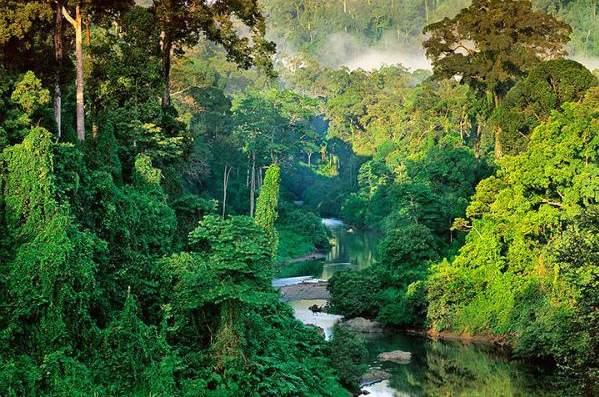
<point>437,368</point>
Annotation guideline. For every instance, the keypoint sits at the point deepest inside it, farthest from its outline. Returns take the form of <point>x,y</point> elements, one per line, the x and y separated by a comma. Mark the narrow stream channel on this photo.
<point>437,368</point>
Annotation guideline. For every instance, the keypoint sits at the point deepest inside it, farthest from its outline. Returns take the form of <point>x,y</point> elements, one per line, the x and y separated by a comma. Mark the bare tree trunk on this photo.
<point>498,145</point>
<point>58,56</point>
<point>76,23</point>
<point>167,47</point>
<point>310,159</point>
<point>477,140</point>
<point>253,185</point>
<point>225,187</point>
<point>498,135</point>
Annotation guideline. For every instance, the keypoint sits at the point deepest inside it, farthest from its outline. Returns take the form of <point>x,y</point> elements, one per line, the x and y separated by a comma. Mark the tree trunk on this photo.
<point>477,140</point>
<point>310,160</point>
<point>253,185</point>
<point>498,135</point>
<point>58,56</point>
<point>225,186</point>
<point>167,47</point>
<point>498,146</point>
<point>76,23</point>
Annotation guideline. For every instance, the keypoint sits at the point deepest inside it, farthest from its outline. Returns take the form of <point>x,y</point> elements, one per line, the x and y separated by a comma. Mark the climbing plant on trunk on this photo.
<point>268,201</point>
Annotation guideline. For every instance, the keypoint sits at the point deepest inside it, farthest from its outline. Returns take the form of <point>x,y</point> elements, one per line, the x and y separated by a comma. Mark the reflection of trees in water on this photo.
<point>451,369</point>
<point>357,248</point>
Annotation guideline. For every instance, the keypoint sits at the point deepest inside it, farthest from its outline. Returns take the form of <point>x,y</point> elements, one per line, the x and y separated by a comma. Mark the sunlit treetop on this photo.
<point>493,42</point>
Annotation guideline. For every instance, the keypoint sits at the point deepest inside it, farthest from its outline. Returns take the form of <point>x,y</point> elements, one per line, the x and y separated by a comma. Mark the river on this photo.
<point>437,368</point>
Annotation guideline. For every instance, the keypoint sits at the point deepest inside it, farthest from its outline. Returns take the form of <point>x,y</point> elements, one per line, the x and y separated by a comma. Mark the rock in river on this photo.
<point>374,375</point>
<point>396,356</point>
<point>362,325</point>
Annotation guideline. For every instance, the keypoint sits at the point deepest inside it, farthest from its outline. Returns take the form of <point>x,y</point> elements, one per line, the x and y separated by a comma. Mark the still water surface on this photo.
<point>438,368</point>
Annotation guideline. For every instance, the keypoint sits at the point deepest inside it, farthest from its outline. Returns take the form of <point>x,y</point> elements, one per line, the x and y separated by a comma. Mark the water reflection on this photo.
<point>350,250</point>
<point>353,249</point>
<point>454,369</point>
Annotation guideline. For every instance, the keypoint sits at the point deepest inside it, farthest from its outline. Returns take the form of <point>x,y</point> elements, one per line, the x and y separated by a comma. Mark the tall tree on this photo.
<point>75,11</point>
<point>261,129</point>
<point>76,23</point>
<point>58,58</point>
<point>492,43</point>
<point>182,22</point>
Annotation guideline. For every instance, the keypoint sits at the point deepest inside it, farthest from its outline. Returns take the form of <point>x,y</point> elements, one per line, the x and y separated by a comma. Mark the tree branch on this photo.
<point>553,203</point>
<point>69,17</point>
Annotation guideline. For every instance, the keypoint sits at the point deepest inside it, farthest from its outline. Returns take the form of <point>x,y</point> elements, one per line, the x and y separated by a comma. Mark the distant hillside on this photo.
<point>364,33</point>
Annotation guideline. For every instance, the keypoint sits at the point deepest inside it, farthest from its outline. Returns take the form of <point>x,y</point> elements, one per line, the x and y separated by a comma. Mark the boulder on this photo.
<point>374,375</point>
<point>363,325</point>
<point>396,356</point>
<point>317,329</point>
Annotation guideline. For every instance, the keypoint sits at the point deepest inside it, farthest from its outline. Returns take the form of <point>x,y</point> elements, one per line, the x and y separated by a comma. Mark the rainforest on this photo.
<point>221,198</point>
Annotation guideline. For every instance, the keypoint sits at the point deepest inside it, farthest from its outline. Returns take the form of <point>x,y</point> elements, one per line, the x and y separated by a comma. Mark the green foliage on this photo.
<point>29,94</point>
<point>355,293</point>
<point>300,232</point>
<point>546,88</point>
<point>117,278</point>
<point>510,278</point>
<point>133,355</point>
<point>509,35</point>
<point>348,355</point>
<point>317,28</point>
<point>219,295</point>
<point>406,308</point>
<point>416,206</point>
<point>49,313</point>
<point>23,102</point>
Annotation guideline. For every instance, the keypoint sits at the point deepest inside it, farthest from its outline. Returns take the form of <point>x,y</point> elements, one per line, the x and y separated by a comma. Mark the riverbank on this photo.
<point>500,342</point>
<point>315,255</point>
<point>312,289</point>
<point>306,290</point>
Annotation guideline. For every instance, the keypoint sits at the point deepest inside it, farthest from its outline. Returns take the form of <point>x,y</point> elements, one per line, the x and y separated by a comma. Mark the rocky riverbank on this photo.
<point>312,256</point>
<point>306,290</point>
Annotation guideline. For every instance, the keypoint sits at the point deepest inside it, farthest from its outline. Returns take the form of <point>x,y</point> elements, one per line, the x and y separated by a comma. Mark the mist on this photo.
<point>588,62</point>
<point>346,50</point>
<point>343,49</point>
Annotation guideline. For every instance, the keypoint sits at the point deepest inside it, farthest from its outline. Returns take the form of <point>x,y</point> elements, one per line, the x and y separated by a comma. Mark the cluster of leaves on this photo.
<point>301,232</point>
